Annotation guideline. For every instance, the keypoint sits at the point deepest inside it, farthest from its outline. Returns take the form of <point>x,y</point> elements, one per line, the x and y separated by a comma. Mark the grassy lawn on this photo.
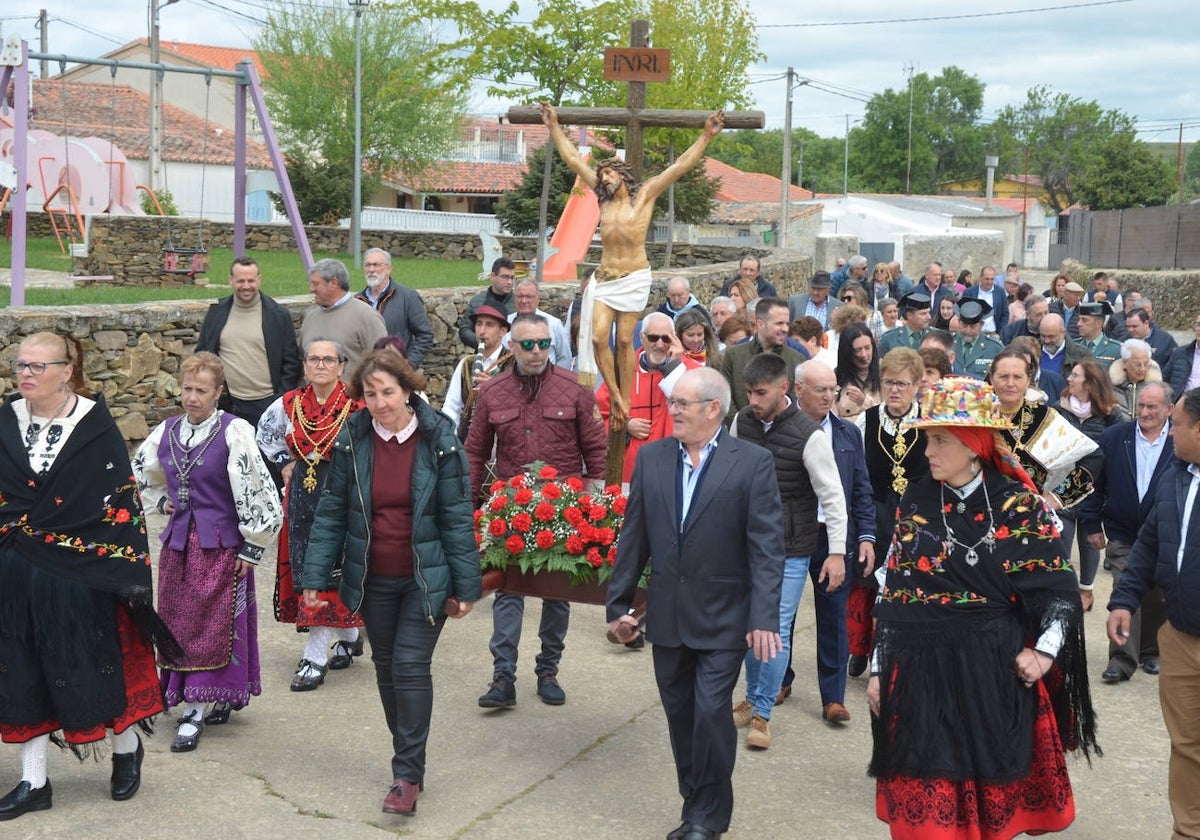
<point>283,275</point>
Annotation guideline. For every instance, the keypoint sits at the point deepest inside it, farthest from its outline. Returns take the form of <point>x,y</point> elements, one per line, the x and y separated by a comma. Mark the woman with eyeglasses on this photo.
<point>397,510</point>
<point>857,371</point>
<point>204,471</point>
<point>76,620</point>
<point>699,342</point>
<point>895,459</point>
<point>296,433</point>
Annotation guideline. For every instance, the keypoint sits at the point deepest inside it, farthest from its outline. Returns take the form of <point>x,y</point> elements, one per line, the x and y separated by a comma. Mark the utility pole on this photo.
<point>1179,165</point>
<point>156,78</point>
<point>785,203</point>
<point>356,199</point>
<point>846,161</point>
<point>43,25</point>
<point>908,165</point>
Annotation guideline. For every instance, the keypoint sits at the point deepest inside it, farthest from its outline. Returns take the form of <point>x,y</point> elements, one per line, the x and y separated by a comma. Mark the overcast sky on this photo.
<point>1141,56</point>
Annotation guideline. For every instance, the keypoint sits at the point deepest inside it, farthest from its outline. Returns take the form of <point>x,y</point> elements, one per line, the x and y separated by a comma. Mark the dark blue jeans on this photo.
<point>402,642</point>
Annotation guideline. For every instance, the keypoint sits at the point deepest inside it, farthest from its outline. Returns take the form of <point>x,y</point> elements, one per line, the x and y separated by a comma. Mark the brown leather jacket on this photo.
<point>560,428</point>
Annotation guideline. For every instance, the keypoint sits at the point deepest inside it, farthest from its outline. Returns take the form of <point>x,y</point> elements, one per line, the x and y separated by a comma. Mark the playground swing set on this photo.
<point>61,203</point>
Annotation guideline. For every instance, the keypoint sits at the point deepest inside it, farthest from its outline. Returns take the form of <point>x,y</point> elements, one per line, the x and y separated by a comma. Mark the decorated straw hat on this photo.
<point>959,401</point>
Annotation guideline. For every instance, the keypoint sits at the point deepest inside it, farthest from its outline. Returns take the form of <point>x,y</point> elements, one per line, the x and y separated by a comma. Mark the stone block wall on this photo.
<point>830,247</point>
<point>966,250</point>
<point>1175,294</point>
<point>133,351</point>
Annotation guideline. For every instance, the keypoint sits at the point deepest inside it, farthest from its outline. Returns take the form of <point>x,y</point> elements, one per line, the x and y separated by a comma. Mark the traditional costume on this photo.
<point>1058,457</point>
<point>297,427</point>
<point>964,747</point>
<point>226,508</point>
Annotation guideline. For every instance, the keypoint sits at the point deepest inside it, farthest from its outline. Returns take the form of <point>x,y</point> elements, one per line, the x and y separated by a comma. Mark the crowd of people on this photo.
<point>945,460</point>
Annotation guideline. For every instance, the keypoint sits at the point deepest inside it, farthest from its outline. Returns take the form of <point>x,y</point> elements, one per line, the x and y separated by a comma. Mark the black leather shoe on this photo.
<point>1113,674</point>
<point>699,832</point>
<point>219,715</point>
<point>858,664</point>
<point>1150,665</point>
<point>638,643</point>
<point>22,799</point>
<point>502,694</point>
<point>550,691</point>
<point>344,653</point>
<point>309,676</point>
<point>127,773</point>
<point>679,832</point>
<point>187,743</point>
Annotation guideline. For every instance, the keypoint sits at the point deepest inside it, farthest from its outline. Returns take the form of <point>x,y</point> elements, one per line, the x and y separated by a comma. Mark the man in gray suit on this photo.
<point>706,507</point>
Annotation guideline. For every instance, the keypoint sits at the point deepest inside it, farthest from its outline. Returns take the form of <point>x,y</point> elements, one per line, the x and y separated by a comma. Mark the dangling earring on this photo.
<point>974,466</point>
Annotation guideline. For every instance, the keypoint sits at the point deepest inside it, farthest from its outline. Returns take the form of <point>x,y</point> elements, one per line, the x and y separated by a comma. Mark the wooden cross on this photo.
<point>635,117</point>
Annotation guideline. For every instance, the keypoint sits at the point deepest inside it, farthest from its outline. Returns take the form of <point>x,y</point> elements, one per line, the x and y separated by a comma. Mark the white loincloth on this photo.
<point>625,294</point>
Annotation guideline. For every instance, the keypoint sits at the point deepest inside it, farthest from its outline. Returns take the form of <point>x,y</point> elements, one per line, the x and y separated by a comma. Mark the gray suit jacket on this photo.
<point>718,575</point>
<point>797,304</point>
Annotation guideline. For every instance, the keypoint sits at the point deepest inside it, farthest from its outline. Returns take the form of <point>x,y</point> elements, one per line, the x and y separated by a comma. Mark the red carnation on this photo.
<point>545,539</point>
<point>619,504</point>
<point>548,473</point>
<point>478,515</point>
<point>613,489</point>
<point>499,503</point>
<point>544,511</point>
<point>597,513</point>
<point>524,496</point>
<point>514,544</point>
<point>522,522</point>
<point>612,556</point>
<point>517,481</point>
<point>595,558</point>
<point>575,545</point>
<point>574,483</point>
<point>585,501</point>
<point>573,515</point>
<point>497,527</point>
<point>496,487</point>
<point>551,491</point>
<point>607,536</point>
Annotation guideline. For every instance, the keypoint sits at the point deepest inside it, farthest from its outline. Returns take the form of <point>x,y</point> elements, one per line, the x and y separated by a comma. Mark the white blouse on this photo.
<point>44,438</point>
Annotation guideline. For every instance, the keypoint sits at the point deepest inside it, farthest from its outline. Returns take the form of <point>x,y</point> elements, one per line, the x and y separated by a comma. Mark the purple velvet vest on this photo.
<point>211,496</point>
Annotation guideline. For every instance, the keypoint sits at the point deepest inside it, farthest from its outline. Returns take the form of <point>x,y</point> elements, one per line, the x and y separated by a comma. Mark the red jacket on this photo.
<point>560,428</point>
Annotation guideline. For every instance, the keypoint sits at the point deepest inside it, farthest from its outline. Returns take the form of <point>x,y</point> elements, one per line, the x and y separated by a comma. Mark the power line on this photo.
<point>221,8</point>
<point>944,17</point>
<point>88,30</point>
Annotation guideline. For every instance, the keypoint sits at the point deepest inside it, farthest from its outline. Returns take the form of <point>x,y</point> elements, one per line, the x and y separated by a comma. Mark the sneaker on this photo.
<point>742,713</point>
<point>759,736</point>
<point>550,691</point>
<point>502,694</point>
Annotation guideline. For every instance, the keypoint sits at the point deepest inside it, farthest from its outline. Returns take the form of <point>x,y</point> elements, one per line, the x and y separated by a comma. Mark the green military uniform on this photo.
<point>975,357</point>
<point>1103,348</point>
<point>901,337</point>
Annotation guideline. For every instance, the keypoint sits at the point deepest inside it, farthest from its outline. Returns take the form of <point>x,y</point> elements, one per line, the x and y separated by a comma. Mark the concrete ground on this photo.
<point>316,764</point>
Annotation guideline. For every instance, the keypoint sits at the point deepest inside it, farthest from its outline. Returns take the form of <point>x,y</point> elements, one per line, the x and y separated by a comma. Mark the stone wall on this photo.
<point>129,248</point>
<point>133,351</point>
<point>1175,294</point>
<point>961,250</point>
<point>832,246</point>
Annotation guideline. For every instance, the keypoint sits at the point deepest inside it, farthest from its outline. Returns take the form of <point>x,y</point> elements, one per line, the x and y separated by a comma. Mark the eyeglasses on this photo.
<point>322,361</point>
<point>848,299</point>
<point>507,276</point>
<point>35,368</point>
<point>684,405</point>
<point>651,338</point>
<point>822,390</point>
<point>527,344</point>
<point>896,384</point>
<point>375,265</point>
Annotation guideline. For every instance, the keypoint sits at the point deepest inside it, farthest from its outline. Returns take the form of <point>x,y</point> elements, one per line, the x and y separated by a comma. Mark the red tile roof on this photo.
<point>738,186</point>
<point>473,177</point>
<point>119,113</point>
<point>757,212</point>
<point>219,58</point>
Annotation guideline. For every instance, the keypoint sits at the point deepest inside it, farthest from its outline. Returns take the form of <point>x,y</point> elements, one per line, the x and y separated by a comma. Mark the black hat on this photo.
<point>973,310</point>
<point>821,280</point>
<point>1095,308</point>
<point>914,300</point>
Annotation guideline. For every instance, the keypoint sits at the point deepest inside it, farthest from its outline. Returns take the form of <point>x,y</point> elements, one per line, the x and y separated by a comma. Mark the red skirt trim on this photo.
<point>941,809</point>
<point>143,698</point>
<point>859,627</point>
<point>289,607</point>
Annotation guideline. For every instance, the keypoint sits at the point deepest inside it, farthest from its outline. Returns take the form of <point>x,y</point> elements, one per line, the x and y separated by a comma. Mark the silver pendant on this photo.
<point>181,498</point>
<point>972,557</point>
<point>960,508</point>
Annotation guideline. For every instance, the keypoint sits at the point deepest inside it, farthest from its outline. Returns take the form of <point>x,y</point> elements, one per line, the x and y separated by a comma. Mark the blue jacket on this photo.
<point>856,483</point>
<point>1114,505</point>
<point>1152,559</point>
<point>998,299</point>
<point>445,555</point>
<point>1180,368</point>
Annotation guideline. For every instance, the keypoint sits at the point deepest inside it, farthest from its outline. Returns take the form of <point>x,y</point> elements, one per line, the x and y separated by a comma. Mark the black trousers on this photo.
<point>696,689</point>
<point>402,643</point>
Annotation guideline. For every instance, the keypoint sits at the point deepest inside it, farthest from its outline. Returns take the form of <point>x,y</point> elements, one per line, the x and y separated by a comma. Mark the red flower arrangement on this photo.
<point>543,523</point>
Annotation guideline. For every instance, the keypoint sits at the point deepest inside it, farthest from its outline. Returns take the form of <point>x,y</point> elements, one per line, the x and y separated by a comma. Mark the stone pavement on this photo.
<point>37,278</point>
<point>315,764</point>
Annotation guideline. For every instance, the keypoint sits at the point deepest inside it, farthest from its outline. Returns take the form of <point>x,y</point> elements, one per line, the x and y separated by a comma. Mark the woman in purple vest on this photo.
<point>204,471</point>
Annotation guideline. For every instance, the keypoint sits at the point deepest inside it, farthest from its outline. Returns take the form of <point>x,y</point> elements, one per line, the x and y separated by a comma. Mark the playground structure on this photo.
<point>69,184</point>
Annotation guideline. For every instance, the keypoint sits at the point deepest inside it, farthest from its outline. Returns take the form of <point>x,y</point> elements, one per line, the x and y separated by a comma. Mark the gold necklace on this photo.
<point>900,448</point>
<point>317,436</point>
<point>1021,418</point>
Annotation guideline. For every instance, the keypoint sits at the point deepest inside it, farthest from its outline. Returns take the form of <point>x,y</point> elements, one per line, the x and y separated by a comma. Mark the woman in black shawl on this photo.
<point>978,679</point>
<point>76,621</point>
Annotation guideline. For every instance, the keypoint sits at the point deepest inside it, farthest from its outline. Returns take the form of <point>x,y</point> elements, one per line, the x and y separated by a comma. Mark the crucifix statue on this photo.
<point>621,287</point>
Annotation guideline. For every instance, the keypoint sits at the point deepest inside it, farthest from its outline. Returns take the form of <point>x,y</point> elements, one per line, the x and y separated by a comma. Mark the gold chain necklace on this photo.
<point>1021,418</point>
<point>317,435</point>
<point>900,448</point>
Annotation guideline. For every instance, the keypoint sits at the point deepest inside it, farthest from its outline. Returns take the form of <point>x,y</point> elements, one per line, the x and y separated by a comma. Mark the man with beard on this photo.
<point>402,309</point>
<point>534,412</point>
<point>622,282</point>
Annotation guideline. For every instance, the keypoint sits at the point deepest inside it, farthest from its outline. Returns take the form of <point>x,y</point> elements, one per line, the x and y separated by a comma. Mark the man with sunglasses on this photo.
<point>534,412</point>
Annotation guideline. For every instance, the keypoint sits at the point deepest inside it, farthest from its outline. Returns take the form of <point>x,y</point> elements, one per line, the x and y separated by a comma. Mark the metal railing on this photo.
<point>428,221</point>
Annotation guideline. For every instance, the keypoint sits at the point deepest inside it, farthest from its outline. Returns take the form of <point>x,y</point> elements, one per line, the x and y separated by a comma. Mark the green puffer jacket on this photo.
<point>445,554</point>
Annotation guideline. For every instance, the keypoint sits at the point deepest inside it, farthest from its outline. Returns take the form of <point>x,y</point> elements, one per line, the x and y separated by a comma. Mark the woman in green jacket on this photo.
<point>397,500</point>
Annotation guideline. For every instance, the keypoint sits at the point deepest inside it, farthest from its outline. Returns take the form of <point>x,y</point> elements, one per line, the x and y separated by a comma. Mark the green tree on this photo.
<point>410,114</point>
<point>518,210</point>
<point>1058,136</point>
<point>322,187</point>
<point>1191,173</point>
<point>816,160</point>
<point>1125,173</point>
<point>946,142</point>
